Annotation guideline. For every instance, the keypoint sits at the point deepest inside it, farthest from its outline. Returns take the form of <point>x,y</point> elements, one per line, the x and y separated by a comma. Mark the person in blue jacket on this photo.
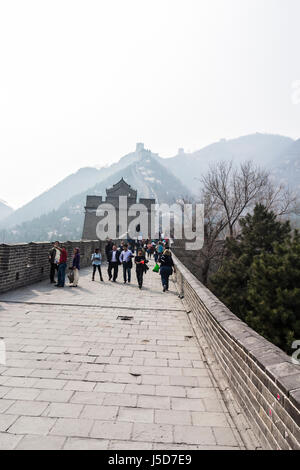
<point>96,262</point>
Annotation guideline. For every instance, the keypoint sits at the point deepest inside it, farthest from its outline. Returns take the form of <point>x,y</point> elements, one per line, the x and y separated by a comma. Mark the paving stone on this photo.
<point>126,379</point>
<point>202,392</point>
<point>72,427</point>
<point>120,399</point>
<point>110,387</point>
<point>64,410</point>
<point>170,391</point>
<point>192,404</point>
<point>140,389</point>
<point>155,380</point>
<point>224,436</point>
<point>80,386</point>
<point>9,441</point>
<point>99,376</point>
<point>198,364</point>
<point>5,404</point>
<point>195,372</point>
<point>130,445</point>
<point>28,408</point>
<point>171,447</point>
<point>57,396</point>
<point>23,382</point>
<point>180,363</point>
<point>91,398</point>
<point>30,442</point>
<point>17,372</point>
<point>22,394</point>
<point>155,402</point>
<point>171,371</point>
<point>45,374</point>
<point>173,417</point>
<point>190,435</point>
<point>152,433</point>
<point>32,425</point>
<point>206,418</point>
<point>184,381</point>
<point>50,384</point>
<point>6,420</point>
<point>86,444</point>
<point>136,415</point>
<point>100,412</point>
<point>111,430</point>
<point>4,391</point>
<point>213,404</point>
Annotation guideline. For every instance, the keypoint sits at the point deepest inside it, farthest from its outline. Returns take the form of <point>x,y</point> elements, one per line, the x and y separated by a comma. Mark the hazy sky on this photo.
<point>82,81</point>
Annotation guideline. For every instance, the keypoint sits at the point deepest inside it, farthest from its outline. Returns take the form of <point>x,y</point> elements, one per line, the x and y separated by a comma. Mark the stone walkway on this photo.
<point>107,366</point>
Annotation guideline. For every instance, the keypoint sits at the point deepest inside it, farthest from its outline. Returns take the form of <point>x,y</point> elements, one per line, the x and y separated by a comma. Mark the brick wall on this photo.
<point>263,378</point>
<point>26,263</point>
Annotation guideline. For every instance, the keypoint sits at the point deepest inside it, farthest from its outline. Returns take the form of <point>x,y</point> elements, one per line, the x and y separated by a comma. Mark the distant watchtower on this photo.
<point>121,188</point>
<point>139,147</point>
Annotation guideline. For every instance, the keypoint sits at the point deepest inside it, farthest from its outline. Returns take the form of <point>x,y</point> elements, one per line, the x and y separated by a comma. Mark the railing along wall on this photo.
<point>263,379</point>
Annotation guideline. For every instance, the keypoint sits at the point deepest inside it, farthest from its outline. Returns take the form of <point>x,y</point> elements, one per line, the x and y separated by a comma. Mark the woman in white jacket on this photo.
<point>96,262</point>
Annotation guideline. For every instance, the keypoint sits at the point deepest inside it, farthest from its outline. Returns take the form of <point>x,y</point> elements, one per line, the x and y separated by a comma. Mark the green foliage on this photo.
<point>274,294</point>
<point>258,233</point>
<point>259,279</point>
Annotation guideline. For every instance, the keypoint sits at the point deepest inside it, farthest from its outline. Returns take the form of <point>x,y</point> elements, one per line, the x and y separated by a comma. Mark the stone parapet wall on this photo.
<point>26,263</point>
<point>262,377</point>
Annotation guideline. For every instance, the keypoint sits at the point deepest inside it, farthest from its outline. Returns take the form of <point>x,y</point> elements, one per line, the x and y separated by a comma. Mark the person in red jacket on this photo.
<point>62,265</point>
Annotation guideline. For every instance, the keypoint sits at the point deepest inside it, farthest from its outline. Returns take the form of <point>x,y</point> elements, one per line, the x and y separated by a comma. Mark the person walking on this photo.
<point>76,267</point>
<point>96,263</point>
<point>108,248</point>
<point>62,265</point>
<point>149,250</point>
<point>159,250</point>
<point>126,259</point>
<point>140,262</point>
<point>54,255</point>
<point>166,268</point>
<point>113,263</point>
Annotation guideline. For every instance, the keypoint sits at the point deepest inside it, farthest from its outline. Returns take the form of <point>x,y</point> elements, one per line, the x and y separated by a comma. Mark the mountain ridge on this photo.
<point>261,148</point>
<point>279,154</point>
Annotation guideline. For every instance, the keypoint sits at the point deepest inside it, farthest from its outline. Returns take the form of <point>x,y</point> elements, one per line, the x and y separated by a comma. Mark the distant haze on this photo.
<point>82,82</point>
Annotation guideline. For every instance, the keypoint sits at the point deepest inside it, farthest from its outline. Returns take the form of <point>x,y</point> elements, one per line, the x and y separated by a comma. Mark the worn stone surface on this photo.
<point>79,377</point>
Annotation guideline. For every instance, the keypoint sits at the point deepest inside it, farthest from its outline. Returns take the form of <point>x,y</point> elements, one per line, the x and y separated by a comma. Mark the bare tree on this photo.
<point>200,261</point>
<point>234,189</point>
<point>228,192</point>
<point>280,199</point>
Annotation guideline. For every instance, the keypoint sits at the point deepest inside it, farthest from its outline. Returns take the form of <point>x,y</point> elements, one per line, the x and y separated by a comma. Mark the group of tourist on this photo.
<point>127,253</point>
<point>58,258</point>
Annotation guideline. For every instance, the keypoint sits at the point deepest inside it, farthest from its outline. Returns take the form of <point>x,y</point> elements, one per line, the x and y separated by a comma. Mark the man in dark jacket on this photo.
<point>53,257</point>
<point>113,263</point>
<point>108,248</point>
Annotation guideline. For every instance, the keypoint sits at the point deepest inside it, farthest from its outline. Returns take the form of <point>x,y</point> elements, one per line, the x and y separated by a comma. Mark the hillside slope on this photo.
<point>288,171</point>
<point>5,210</point>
